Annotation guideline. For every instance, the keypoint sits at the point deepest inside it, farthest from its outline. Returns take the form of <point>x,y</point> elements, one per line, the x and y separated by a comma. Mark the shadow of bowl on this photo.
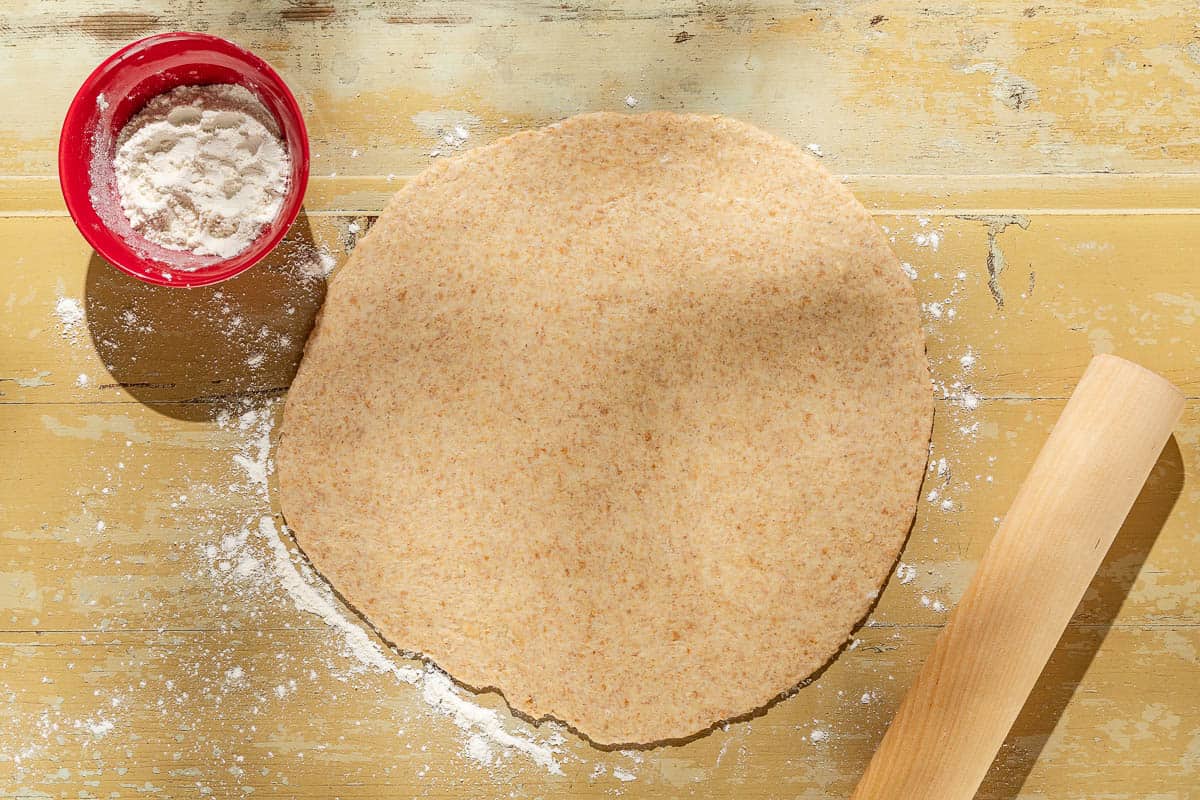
<point>180,350</point>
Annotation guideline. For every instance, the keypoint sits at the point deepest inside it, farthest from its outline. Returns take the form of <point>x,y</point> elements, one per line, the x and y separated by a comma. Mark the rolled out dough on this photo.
<point>625,417</point>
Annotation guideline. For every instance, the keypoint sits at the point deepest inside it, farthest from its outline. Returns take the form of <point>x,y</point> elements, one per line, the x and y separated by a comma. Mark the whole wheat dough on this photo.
<point>625,417</point>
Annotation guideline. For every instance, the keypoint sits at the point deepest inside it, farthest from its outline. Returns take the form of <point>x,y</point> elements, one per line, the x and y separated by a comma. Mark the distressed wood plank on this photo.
<point>119,520</point>
<point>883,87</point>
<point>101,712</point>
<point>883,195</point>
<point>1062,281</point>
<point>973,116</point>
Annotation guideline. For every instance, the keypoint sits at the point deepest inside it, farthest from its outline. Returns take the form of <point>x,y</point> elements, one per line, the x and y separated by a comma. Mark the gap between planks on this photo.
<point>276,393</point>
<point>113,636</point>
<point>884,195</point>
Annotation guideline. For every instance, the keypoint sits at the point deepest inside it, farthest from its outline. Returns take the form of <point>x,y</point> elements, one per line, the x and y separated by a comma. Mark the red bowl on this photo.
<point>118,89</point>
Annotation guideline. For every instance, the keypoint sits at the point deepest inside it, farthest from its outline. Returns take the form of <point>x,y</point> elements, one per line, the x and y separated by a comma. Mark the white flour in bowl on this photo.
<point>202,169</point>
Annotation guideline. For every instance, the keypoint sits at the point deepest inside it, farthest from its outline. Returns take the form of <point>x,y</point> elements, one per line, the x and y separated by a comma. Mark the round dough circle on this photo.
<point>625,417</point>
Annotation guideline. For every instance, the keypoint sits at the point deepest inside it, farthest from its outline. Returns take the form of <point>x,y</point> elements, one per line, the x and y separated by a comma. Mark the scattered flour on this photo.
<point>254,454</point>
<point>310,263</point>
<point>357,644</point>
<point>97,727</point>
<point>623,775</point>
<point>70,316</point>
<point>254,556</point>
<point>949,480</point>
<point>451,129</point>
<point>438,691</point>
<point>931,239</point>
<point>478,749</point>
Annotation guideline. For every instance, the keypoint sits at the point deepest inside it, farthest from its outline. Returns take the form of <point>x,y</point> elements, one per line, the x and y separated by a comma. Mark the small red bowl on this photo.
<point>118,89</point>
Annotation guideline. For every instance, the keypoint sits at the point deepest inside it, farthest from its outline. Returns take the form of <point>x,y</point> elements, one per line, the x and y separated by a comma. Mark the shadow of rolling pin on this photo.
<point>986,660</point>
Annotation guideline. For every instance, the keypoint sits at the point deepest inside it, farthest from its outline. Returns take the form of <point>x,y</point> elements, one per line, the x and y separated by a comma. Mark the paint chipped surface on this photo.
<point>135,626</point>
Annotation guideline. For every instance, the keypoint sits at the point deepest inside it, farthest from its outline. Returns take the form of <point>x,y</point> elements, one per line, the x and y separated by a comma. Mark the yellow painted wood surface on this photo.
<point>1050,146</point>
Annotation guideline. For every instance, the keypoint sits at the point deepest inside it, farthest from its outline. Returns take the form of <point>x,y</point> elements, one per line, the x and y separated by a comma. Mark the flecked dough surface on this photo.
<point>625,417</point>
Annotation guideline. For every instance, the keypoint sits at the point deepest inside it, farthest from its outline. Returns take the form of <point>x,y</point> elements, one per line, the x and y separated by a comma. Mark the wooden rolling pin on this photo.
<point>1041,560</point>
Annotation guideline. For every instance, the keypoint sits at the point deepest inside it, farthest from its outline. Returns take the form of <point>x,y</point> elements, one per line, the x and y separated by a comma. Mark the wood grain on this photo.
<point>1054,138</point>
<point>884,87</point>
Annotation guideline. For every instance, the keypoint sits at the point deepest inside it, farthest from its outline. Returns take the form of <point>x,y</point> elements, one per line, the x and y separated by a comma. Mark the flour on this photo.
<point>439,693</point>
<point>97,727</point>
<point>70,315</point>
<point>255,568</point>
<point>254,455</point>
<point>483,726</point>
<point>931,239</point>
<point>478,749</point>
<point>623,775</point>
<point>356,643</point>
<point>253,558</point>
<point>944,290</point>
<point>202,169</point>
<point>451,129</point>
<point>312,263</point>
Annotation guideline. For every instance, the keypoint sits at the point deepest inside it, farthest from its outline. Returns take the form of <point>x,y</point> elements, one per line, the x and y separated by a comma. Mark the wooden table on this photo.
<point>1036,166</point>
